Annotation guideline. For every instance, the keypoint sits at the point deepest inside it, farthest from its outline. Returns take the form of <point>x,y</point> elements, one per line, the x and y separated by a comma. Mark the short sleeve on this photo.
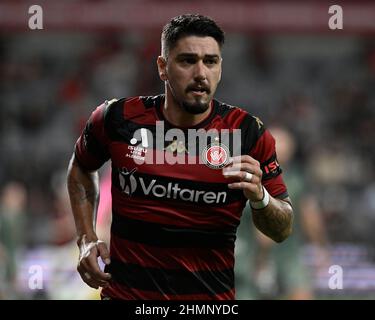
<point>265,152</point>
<point>91,149</point>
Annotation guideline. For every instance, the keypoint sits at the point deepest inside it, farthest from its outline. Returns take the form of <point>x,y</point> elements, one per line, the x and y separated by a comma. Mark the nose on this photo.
<point>200,71</point>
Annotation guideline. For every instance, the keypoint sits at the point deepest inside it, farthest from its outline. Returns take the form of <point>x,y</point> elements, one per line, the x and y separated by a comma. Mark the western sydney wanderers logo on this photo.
<point>215,155</point>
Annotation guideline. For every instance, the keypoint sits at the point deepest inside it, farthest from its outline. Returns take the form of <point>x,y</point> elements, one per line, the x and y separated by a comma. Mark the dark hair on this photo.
<point>189,25</point>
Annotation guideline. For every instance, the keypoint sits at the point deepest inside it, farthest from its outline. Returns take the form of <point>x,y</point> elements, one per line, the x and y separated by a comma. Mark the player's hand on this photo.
<point>245,174</point>
<point>88,267</point>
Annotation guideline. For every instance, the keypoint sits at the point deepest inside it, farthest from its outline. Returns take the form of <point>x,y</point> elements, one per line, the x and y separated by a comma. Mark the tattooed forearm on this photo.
<point>83,188</point>
<point>81,192</point>
<point>275,220</point>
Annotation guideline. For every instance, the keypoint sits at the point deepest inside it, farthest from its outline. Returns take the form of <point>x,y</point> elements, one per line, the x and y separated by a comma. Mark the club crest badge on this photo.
<point>216,155</point>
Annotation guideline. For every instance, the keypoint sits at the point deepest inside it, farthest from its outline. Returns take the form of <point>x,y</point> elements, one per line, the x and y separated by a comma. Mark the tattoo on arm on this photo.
<point>81,192</point>
<point>83,187</point>
<point>275,220</point>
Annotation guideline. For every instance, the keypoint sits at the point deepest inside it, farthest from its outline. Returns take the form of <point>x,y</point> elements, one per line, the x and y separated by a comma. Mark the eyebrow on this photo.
<point>194,55</point>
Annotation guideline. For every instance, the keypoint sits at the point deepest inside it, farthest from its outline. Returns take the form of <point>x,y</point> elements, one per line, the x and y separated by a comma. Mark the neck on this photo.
<point>177,116</point>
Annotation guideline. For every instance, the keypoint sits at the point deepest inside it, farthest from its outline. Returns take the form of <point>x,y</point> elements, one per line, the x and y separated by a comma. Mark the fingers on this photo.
<point>92,275</point>
<point>91,262</point>
<point>88,266</point>
<point>245,159</point>
<point>245,163</point>
<point>86,277</point>
<point>245,174</point>
<point>244,185</point>
<point>103,252</point>
<point>241,171</point>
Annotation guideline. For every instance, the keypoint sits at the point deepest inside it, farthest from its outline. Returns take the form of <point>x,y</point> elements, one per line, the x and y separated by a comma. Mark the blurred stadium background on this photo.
<point>314,86</point>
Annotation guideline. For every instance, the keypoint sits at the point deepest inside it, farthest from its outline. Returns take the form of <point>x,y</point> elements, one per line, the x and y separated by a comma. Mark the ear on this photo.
<point>162,68</point>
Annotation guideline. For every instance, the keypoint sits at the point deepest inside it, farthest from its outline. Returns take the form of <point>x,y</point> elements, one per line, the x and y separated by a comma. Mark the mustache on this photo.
<point>198,87</point>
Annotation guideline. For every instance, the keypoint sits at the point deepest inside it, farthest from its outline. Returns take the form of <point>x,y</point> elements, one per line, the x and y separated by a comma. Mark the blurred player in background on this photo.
<point>266,271</point>
<point>13,210</point>
<point>174,226</point>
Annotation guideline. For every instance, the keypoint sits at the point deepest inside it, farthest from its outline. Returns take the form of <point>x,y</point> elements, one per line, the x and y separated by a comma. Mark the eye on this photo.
<point>188,60</point>
<point>210,61</point>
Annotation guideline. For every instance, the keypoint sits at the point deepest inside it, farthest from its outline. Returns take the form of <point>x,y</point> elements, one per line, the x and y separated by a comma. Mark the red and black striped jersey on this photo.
<point>173,224</point>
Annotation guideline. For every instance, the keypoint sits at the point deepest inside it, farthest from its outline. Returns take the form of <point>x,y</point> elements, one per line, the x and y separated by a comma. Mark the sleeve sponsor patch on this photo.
<point>271,168</point>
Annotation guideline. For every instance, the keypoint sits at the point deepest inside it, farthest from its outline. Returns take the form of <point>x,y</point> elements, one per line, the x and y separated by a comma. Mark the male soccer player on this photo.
<point>174,225</point>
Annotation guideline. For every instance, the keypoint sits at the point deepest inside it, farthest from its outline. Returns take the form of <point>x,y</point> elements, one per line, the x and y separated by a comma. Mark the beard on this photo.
<point>199,104</point>
<point>195,107</point>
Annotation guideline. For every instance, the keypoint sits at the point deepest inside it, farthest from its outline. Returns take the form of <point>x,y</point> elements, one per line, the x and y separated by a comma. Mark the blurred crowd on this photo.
<point>315,91</point>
